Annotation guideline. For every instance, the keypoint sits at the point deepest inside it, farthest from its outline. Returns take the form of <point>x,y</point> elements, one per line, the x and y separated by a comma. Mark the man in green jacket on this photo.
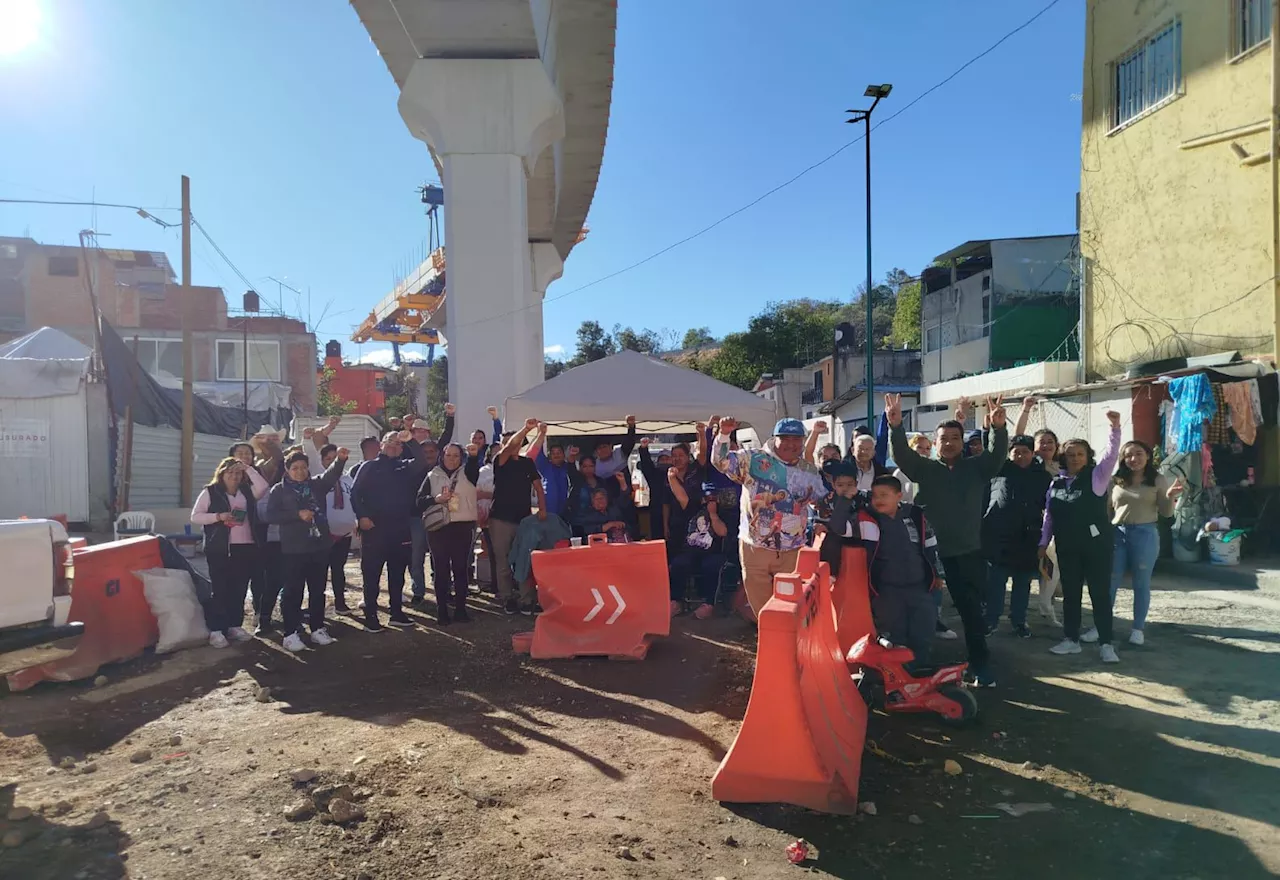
<point>952,489</point>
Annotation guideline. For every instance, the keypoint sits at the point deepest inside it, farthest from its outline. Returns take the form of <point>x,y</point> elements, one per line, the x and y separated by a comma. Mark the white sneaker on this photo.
<point>321,637</point>
<point>239,634</point>
<point>1090,635</point>
<point>1066,646</point>
<point>1108,654</point>
<point>946,633</point>
<point>217,639</point>
<point>293,643</point>
<point>1137,638</point>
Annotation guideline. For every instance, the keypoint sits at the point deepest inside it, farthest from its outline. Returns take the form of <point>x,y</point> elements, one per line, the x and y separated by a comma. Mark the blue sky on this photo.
<point>285,118</point>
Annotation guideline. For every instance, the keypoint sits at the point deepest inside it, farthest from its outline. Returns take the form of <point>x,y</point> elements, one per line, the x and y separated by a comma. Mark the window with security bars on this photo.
<point>1148,75</point>
<point>1250,24</point>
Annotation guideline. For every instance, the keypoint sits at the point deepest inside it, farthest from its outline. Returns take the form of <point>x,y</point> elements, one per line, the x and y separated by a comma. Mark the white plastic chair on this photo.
<point>135,522</point>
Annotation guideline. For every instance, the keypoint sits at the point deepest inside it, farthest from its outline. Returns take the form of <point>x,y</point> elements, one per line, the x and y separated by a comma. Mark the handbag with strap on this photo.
<point>436,517</point>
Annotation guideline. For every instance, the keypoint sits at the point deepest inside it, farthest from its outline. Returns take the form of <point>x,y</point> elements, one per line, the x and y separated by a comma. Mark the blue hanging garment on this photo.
<point>1193,399</point>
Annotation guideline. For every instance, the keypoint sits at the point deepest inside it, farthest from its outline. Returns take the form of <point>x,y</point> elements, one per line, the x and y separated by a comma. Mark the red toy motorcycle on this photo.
<point>885,683</point>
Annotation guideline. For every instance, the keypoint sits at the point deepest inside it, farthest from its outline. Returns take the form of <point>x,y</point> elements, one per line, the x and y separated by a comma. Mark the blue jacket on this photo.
<point>535,534</point>
<point>386,491</point>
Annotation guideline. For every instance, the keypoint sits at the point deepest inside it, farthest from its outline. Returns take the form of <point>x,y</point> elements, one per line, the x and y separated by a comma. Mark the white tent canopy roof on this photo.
<point>44,363</point>
<point>665,398</point>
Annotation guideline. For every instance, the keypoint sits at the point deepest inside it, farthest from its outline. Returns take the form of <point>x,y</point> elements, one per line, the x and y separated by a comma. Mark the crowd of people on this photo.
<point>971,512</point>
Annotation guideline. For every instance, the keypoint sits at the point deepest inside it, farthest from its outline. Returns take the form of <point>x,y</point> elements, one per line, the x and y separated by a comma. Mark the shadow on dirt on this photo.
<point>90,850</point>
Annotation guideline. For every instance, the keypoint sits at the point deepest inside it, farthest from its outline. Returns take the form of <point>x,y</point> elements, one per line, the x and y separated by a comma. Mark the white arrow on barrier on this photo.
<point>599,606</point>
<point>622,606</point>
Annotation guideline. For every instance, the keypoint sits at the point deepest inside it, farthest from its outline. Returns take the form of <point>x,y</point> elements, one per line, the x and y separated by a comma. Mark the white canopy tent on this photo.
<point>665,398</point>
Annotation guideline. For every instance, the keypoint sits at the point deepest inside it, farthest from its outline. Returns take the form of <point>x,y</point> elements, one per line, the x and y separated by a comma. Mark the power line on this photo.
<point>248,285</point>
<point>145,212</point>
<point>823,161</point>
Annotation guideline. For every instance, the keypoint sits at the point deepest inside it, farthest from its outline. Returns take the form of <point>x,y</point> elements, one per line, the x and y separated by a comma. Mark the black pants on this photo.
<point>338,554</point>
<point>1077,566</point>
<point>269,583</point>
<point>304,573</point>
<point>451,550</point>
<point>703,565</point>
<point>908,616</point>
<point>374,557</point>
<point>229,574</point>
<point>493,561</point>
<point>966,582</point>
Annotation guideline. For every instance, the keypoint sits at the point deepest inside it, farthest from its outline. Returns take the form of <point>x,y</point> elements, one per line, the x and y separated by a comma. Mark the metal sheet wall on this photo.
<point>155,477</point>
<point>56,481</point>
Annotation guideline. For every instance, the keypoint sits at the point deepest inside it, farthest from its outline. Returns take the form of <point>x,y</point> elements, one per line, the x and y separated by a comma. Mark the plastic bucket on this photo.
<point>1224,552</point>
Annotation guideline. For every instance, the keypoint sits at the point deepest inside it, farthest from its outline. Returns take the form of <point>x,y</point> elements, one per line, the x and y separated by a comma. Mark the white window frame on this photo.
<point>154,340</point>
<point>1237,11</point>
<point>936,328</point>
<point>1141,47</point>
<point>217,360</point>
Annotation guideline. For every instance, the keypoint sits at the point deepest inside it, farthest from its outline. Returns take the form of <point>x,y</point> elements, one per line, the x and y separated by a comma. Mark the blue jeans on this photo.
<point>997,575</point>
<point>418,557</point>
<point>1137,548</point>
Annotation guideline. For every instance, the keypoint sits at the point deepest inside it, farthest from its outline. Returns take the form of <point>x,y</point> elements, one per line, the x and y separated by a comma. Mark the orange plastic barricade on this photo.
<point>801,740</point>
<point>107,598</point>
<point>599,600</point>
<point>851,596</point>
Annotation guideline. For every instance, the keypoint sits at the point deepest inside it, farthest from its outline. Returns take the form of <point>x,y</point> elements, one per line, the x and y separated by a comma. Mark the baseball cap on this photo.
<point>1023,440</point>
<point>789,428</point>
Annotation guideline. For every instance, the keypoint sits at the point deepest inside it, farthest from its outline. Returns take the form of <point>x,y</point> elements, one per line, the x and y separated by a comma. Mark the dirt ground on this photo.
<point>470,761</point>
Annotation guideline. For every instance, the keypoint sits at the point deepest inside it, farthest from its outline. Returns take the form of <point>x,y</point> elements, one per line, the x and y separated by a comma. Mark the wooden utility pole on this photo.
<point>187,455</point>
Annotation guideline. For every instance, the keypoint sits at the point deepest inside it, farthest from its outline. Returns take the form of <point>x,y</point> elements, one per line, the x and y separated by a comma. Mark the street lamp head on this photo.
<point>880,91</point>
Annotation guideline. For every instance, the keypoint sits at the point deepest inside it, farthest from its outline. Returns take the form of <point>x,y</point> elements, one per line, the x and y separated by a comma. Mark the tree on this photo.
<point>697,337</point>
<point>552,368</point>
<point>328,403</point>
<point>626,339</point>
<point>906,316</point>
<point>437,392</point>
<point>593,344</point>
<point>401,388</point>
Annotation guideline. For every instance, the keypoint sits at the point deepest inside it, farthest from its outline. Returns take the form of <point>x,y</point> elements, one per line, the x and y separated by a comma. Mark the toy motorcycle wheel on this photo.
<point>964,699</point>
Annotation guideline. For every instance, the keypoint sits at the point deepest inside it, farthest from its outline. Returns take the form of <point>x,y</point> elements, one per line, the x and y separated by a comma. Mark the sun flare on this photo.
<point>19,25</point>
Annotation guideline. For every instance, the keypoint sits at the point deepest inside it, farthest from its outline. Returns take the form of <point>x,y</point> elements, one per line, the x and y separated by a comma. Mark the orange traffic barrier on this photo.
<point>801,740</point>
<point>851,596</point>
<point>107,597</point>
<point>599,600</point>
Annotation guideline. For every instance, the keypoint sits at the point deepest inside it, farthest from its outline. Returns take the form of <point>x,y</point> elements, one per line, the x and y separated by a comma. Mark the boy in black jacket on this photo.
<point>902,556</point>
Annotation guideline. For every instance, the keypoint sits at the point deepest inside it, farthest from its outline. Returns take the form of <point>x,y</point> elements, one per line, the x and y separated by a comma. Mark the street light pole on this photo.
<point>876,93</point>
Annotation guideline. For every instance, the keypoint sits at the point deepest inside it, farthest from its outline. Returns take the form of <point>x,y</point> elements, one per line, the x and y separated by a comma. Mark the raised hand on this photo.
<point>308,433</point>
<point>1114,418</point>
<point>995,410</point>
<point>343,453</point>
<point>893,409</point>
<point>473,450</point>
<point>450,409</point>
<point>530,424</point>
<point>963,405</point>
<point>820,427</point>
<point>728,425</point>
<point>631,421</point>
<point>1028,404</point>
<point>644,442</point>
<point>542,427</point>
<point>492,411</point>
<point>404,436</point>
<point>701,428</point>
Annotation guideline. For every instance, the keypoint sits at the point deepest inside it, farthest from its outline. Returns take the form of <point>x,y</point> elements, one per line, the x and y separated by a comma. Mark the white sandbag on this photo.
<point>172,597</point>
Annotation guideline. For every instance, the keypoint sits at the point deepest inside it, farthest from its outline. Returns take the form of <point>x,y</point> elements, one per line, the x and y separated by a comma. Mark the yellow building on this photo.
<point>1177,220</point>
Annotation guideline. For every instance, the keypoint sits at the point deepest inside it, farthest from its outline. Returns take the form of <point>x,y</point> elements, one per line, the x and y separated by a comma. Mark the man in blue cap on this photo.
<point>778,489</point>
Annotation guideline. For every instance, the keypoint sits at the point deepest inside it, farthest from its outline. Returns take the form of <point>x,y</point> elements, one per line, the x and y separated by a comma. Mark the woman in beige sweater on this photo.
<point>1139,497</point>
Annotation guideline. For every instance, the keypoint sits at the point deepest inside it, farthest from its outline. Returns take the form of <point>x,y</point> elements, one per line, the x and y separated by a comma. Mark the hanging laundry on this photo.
<point>1269,394</point>
<point>1216,431</point>
<point>1236,394</point>
<point>1193,397</point>
<point>1255,400</point>
<point>1169,427</point>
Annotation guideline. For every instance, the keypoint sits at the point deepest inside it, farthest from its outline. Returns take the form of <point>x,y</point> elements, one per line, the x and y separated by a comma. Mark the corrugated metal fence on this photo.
<point>155,479</point>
